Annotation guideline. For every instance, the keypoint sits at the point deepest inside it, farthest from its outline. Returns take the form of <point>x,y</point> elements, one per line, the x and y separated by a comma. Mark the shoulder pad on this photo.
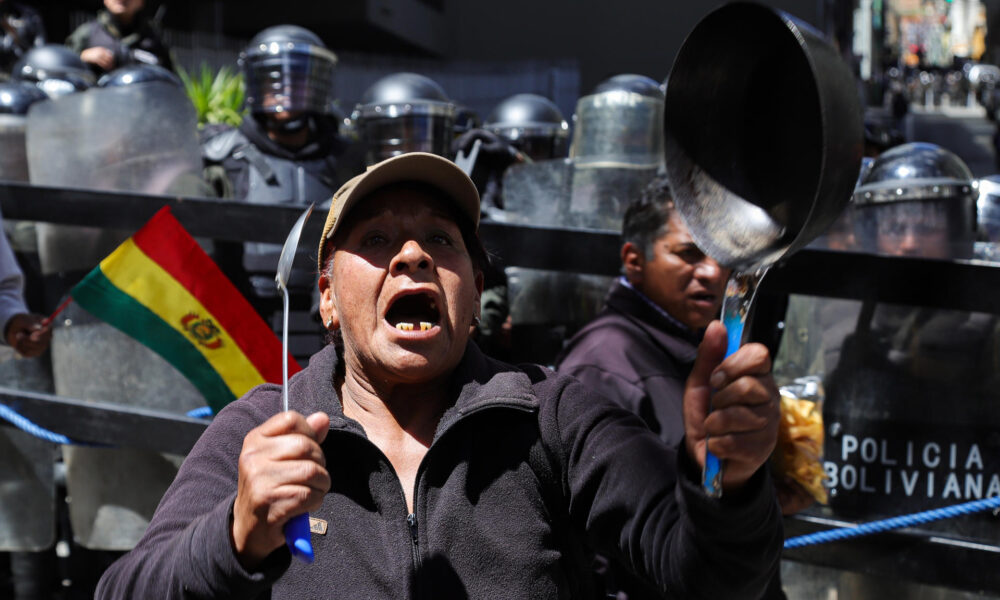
<point>217,146</point>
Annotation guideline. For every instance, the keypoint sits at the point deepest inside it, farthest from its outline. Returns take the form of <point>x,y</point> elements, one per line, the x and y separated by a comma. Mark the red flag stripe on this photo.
<point>164,240</point>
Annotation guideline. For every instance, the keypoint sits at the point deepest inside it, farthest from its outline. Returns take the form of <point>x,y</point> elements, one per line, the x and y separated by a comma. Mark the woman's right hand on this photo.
<point>282,474</point>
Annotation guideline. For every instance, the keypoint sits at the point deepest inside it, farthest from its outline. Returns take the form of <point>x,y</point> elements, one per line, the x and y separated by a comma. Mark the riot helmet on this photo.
<point>533,124</point>
<point>917,199</point>
<point>405,112</point>
<point>54,69</point>
<point>288,69</point>
<point>620,124</point>
<point>17,96</point>
<point>137,74</point>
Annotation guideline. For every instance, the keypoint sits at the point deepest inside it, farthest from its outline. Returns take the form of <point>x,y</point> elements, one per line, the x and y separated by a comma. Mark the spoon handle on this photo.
<point>741,289</point>
<point>297,534</point>
<point>299,538</point>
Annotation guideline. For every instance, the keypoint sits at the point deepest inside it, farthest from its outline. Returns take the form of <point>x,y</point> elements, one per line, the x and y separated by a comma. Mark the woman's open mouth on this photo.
<point>413,312</point>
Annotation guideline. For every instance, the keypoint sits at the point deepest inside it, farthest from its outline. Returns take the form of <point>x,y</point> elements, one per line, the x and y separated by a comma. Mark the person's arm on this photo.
<point>189,550</point>
<point>641,501</point>
<point>99,56</point>
<point>21,330</point>
<point>11,285</point>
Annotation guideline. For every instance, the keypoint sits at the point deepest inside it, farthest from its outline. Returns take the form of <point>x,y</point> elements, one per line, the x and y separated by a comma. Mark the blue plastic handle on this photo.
<point>712,479</point>
<point>299,538</point>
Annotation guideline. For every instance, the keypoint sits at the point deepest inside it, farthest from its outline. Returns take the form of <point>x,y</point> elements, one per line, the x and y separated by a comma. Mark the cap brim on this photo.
<point>423,167</point>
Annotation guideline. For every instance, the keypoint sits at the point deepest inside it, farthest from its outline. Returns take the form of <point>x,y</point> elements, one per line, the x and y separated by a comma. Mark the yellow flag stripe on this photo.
<point>137,275</point>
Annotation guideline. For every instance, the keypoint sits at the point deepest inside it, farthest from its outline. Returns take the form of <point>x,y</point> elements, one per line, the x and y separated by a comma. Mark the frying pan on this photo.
<point>763,142</point>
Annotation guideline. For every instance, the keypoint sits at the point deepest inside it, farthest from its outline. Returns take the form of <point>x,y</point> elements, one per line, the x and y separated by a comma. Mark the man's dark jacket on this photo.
<point>525,470</point>
<point>636,356</point>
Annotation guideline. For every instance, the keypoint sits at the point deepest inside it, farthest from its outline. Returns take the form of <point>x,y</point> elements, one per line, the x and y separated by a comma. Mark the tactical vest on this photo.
<point>261,178</point>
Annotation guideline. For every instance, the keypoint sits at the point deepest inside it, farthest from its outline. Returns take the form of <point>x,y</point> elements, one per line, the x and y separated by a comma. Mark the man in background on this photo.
<point>641,347</point>
<point>120,35</point>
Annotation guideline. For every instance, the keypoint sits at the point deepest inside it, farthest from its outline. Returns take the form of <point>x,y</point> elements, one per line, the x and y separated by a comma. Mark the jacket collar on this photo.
<point>478,382</point>
<point>666,331</point>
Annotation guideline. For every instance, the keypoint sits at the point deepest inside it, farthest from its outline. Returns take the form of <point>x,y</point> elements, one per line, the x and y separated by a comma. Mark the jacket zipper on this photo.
<point>411,520</point>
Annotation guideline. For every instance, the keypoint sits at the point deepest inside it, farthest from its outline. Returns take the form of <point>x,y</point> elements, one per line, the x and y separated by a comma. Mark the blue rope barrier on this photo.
<point>11,416</point>
<point>202,412</point>
<point>937,514</point>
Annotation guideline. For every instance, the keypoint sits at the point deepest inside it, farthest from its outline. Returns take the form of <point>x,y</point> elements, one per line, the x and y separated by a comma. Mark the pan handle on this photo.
<point>741,289</point>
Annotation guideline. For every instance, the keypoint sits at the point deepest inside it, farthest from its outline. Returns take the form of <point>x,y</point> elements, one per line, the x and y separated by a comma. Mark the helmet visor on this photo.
<point>388,137</point>
<point>288,76</point>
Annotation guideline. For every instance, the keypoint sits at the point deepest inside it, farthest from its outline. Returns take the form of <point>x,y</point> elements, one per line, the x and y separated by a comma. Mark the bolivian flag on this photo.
<point>161,288</point>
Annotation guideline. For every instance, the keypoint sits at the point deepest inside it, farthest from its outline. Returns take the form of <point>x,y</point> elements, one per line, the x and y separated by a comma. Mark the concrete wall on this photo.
<point>606,37</point>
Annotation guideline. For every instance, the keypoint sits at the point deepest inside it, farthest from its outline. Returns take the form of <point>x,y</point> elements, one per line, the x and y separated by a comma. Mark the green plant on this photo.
<point>218,97</point>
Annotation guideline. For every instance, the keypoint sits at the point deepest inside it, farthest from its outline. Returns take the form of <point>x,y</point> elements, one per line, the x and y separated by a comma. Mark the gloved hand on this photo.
<point>495,153</point>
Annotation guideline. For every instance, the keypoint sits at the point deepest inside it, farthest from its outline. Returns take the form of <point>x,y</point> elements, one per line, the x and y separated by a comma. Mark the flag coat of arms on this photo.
<point>162,289</point>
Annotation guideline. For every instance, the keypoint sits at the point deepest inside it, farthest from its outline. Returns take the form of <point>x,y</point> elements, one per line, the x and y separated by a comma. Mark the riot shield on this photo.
<point>140,138</point>
<point>547,307</point>
<point>618,128</point>
<point>115,491</point>
<point>27,482</point>
<point>13,158</point>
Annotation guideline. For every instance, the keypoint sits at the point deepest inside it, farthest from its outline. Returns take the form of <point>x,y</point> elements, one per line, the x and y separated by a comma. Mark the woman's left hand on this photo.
<point>731,406</point>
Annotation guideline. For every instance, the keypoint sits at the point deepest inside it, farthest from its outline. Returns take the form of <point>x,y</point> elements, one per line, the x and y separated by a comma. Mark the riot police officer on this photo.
<point>120,35</point>
<point>21,29</point>
<point>917,199</point>
<point>405,112</point>
<point>533,124</point>
<point>285,151</point>
<point>619,124</point>
<point>55,69</point>
<point>522,127</point>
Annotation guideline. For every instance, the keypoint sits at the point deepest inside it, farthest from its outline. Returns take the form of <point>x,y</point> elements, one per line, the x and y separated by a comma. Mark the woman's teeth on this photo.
<point>424,326</point>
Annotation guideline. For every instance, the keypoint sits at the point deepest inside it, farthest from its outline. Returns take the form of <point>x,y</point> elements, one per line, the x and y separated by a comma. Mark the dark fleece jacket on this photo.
<point>527,472</point>
<point>637,357</point>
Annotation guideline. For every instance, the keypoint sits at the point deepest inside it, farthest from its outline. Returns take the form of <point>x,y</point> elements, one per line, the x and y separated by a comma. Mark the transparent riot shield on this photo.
<point>618,128</point>
<point>140,138</point>
<point>27,482</point>
<point>547,307</point>
<point>13,159</point>
<point>114,491</point>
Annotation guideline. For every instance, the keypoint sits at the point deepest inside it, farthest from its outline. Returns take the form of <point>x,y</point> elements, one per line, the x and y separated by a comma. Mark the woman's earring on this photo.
<point>329,323</point>
<point>476,321</point>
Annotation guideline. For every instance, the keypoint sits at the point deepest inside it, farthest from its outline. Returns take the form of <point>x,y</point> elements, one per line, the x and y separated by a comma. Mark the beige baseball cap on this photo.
<point>423,167</point>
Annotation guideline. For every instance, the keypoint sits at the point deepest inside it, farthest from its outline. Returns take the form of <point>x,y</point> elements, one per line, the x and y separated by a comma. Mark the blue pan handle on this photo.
<point>741,289</point>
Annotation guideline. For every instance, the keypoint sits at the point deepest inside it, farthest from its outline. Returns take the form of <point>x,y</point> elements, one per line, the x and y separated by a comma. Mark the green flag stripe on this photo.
<point>109,303</point>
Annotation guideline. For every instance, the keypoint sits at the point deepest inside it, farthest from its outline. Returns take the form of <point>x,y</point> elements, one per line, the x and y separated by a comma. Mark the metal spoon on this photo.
<point>297,534</point>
